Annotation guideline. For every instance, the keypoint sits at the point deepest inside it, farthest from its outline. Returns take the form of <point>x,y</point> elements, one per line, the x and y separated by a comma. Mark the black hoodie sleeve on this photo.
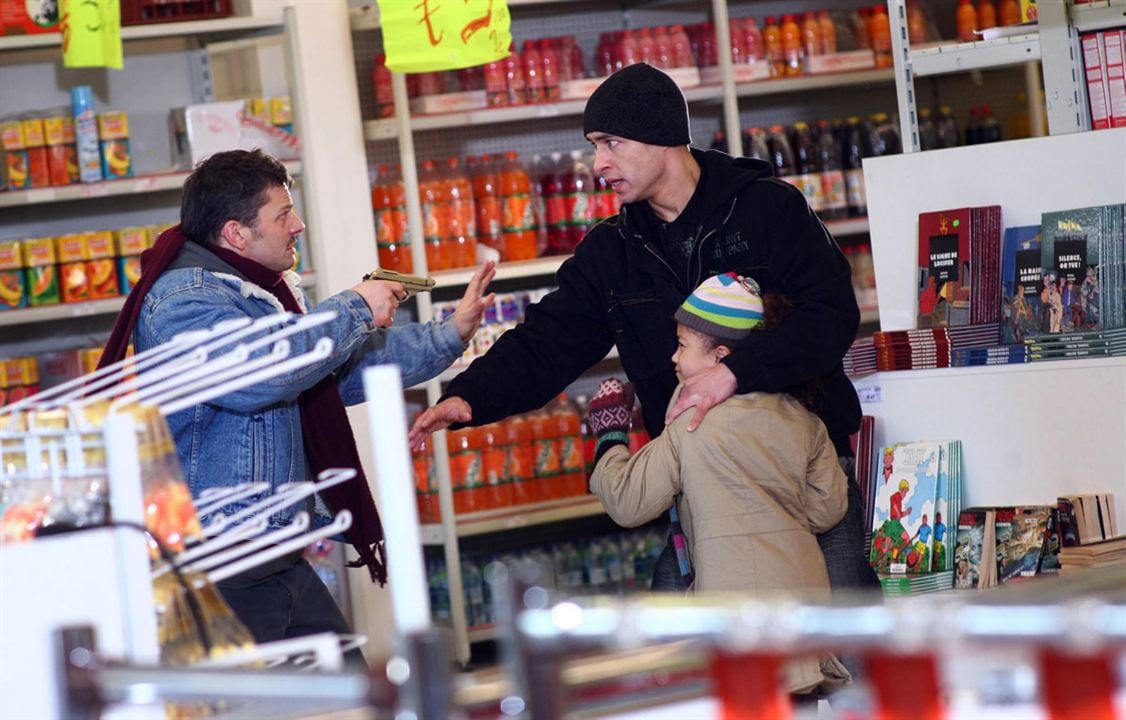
<point>562,336</point>
<point>808,267</point>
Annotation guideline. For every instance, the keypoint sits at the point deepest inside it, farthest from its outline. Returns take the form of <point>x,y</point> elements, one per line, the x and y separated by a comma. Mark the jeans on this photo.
<point>843,544</point>
<point>288,603</point>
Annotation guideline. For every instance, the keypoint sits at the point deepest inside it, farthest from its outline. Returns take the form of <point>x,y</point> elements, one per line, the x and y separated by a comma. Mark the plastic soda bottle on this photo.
<point>832,176</point>
<point>880,29</point>
<point>828,32</point>
<point>496,84</point>
<point>986,15</point>
<point>533,73</point>
<point>486,203</point>
<point>384,95</point>
<point>425,483</point>
<point>752,39</point>
<point>680,47</point>
<point>854,169</point>
<point>521,459</point>
<point>966,18</point>
<point>474,592</point>
<point>549,69</point>
<point>810,34</point>
<point>518,224</point>
<point>662,48</point>
<point>638,435</point>
<point>572,465</point>
<point>808,175</point>
<point>514,75</point>
<point>394,254</point>
<point>546,454</point>
<point>772,42</point>
<point>781,156</point>
<point>498,488</point>
<point>462,220</point>
<point>578,206</point>
<point>467,475</point>
<point>435,209</point>
<point>791,45</point>
<point>646,45</point>
<point>554,204</point>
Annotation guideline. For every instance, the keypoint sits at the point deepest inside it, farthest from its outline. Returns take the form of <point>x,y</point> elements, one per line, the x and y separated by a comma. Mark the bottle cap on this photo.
<point>81,98</point>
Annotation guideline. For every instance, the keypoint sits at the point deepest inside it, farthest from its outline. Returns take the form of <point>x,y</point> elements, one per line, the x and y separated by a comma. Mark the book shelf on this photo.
<point>1029,432</point>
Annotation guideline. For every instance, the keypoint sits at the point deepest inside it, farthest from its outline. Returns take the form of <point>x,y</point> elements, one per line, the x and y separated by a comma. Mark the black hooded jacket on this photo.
<point>619,289</point>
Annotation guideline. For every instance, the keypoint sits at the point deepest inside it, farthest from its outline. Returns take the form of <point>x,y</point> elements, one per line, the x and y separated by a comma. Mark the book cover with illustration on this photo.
<point>948,500</point>
<point>902,529</point>
<point>968,548</point>
<point>1020,284</point>
<point>1070,243</point>
<point>1019,557</point>
<point>943,268</point>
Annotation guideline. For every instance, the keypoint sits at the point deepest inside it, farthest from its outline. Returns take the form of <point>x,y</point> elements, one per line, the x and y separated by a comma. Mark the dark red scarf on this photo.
<point>327,434</point>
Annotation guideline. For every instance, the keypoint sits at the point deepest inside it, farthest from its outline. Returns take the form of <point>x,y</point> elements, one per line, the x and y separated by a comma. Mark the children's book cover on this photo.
<point>1020,557</point>
<point>968,548</point>
<point>902,533</point>
<point>1070,242</point>
<point>943,267</point>
<point>1020,283</point>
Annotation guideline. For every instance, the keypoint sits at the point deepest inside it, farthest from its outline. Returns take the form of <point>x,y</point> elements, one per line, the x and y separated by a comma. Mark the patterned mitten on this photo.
<point>609,415</point>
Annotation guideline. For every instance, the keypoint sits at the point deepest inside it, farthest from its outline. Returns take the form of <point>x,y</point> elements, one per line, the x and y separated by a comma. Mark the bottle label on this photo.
<point>578,209</point>
<point>496,465</point>
<point>810,186</point>
<point>433,227</point>
<point>520,462</point>
<point>570,455</point>
<point>518,215</point>
<point>488,216</point>
<point>547,458</point>
<point>556,206</point>
<point>854,181</point>
<point>465,470</point>
<point>833,189</point>
<point>384,227</point>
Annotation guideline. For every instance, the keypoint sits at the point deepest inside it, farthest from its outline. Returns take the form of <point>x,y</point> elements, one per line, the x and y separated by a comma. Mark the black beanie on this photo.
<point>639,102</point>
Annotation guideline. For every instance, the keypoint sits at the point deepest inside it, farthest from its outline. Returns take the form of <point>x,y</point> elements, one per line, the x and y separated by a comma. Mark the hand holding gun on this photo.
<point>411,283</point>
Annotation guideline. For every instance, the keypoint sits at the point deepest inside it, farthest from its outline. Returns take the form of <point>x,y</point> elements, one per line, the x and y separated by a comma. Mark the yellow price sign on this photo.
<point>91,33</point>
<point>430,35</point>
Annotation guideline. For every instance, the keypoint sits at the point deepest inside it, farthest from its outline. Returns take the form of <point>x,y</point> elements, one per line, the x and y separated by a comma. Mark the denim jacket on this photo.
<point>255,434</point>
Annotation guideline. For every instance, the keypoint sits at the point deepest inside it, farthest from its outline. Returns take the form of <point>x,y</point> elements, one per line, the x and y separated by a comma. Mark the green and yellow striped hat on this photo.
<point>725,306</point>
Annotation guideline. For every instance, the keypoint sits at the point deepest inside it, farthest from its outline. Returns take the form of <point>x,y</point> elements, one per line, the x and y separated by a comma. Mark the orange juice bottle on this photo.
<point>466,469</point>
<point>486,203</point>
<point>986,15</point>
<point>462,227</point>
<point>568,431</point>
<point>828,33</point>
<point>518,222</point>
<point>791,45</point>
<point>860,27</point>
<point>772,41</point>
<point>521,459</point>
<point>880,29</point>
<point>546,453</point>
<point>810,34</point>
<point>494,455</point>
<point>434,211</point>
<point>966,18</point>
<point>425,483</point>
<point>916,22</point>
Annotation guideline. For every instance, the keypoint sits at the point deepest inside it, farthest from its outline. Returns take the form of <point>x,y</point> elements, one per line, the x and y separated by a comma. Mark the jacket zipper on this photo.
<point>700,244</point>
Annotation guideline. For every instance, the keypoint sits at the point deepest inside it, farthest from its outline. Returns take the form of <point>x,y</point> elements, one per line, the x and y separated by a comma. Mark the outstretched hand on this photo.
<point>441,416</point>
<point>471,310</point>
<point>703,392</point>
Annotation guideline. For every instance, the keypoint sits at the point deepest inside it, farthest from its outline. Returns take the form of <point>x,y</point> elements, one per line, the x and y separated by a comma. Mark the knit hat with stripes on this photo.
<point>725,306</point>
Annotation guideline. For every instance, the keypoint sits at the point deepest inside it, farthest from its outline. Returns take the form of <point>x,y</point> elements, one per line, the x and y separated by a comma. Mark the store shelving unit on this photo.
<point>515,517</point>
<point>515,122</point>
<point>159,30</point>
<point>1021,442</point>
<point>140,185</point>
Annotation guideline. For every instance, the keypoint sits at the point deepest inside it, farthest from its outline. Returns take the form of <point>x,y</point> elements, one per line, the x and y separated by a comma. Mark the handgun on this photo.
<point>411,283</point>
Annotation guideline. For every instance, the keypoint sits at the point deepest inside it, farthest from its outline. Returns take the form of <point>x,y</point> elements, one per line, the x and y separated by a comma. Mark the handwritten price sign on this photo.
<point>91,33</point>
<point>430,35</point>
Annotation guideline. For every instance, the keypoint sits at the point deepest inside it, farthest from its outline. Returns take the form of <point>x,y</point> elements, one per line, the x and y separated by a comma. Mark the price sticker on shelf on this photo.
<point>870,394</point>
<point>91,32</point>
<point>432,35</point>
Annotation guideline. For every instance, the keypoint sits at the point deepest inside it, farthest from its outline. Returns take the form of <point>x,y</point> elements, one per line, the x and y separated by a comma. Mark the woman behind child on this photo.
<point>752,485</point>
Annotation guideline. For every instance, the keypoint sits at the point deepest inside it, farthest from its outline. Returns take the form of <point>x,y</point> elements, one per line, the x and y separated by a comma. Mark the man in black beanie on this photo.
<point>686,215</point>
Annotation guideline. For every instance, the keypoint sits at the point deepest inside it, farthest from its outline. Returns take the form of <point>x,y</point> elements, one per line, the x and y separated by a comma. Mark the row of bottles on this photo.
<point>615,564</point>
<point>824,161</point>
<point>543,455</point>
<point>662,46</point>
<point>494,201</point>
<point>985,14</point>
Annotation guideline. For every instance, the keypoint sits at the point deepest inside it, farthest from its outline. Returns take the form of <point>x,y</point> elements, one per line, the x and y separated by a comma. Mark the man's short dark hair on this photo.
<point>228,185</point>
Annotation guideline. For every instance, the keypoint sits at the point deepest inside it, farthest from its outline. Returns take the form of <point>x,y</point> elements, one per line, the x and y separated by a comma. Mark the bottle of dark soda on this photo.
<point>832,175</point>
<point>854,154</point>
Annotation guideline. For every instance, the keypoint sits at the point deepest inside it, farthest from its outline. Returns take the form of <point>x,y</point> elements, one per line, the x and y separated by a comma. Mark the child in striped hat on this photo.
<point>751,486</point>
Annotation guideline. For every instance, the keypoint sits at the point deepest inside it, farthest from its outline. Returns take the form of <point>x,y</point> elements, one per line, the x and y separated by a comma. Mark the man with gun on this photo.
<point>230,257</point>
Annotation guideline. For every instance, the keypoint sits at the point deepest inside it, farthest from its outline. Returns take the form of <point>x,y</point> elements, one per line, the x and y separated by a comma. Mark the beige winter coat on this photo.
<point>752,485</point>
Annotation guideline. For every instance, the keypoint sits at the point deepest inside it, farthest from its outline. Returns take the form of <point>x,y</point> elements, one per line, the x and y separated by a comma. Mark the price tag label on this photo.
<point>870,394</point>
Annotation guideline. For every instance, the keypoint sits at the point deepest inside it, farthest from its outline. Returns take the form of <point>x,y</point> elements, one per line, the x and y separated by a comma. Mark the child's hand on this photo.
<point>611,408</point>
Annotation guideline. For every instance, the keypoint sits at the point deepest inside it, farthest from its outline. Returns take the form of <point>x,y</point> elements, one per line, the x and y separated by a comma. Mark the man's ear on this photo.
<point>233,235</point>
